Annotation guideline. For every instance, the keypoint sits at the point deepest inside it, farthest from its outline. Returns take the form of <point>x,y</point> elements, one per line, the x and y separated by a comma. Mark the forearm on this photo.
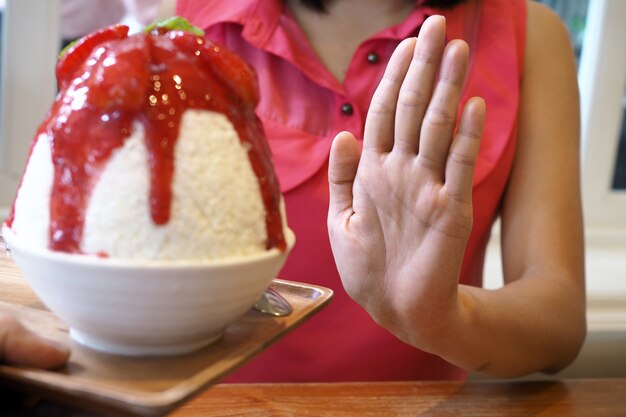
<point>536,323</point>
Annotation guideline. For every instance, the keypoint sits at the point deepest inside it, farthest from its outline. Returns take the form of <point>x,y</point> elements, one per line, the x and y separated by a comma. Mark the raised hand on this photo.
<point>401,212</point>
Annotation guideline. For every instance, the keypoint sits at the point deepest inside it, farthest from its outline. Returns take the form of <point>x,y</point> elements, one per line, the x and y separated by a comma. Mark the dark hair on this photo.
<point>320,5</point>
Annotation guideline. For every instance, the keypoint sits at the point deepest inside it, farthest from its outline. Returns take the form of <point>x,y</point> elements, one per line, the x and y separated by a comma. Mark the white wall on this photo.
<point>28,84</point>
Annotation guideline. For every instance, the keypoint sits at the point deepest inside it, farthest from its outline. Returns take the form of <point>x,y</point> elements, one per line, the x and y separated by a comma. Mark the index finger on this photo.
<point>379,124</point>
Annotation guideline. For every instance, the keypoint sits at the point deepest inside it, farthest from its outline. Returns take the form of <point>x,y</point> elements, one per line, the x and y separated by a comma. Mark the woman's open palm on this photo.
<point>401,211</point>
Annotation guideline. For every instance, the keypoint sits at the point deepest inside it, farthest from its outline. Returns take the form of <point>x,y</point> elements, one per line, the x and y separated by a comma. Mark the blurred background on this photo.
<point>33,31</point>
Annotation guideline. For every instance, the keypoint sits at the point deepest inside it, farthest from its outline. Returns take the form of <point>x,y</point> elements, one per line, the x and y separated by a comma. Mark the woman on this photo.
<point>409,219</point>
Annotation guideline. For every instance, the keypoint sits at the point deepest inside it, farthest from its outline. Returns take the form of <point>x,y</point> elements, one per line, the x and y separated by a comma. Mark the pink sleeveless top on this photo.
<point>302,107</point>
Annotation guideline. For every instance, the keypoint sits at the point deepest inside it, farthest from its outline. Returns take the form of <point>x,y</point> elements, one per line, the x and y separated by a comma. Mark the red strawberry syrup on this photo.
<point>151,79</point>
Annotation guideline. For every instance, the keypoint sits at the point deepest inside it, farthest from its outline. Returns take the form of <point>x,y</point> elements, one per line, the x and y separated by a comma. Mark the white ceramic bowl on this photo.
<point>149,308</point>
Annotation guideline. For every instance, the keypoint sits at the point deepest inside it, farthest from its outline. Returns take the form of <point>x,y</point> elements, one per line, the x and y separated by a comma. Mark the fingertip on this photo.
<point>455,61</point>
<point>435,21</point>
<point>342,168</point>
<point>344,149</point>
<point>23,347</point>
<point>53,354</point>
<point>407,44</point>
<point>459,44</point>
<point>433,33</point>
<point>477,105</point>
<point>473,117</point>
<point>341,140</point>
<point>343,135</point>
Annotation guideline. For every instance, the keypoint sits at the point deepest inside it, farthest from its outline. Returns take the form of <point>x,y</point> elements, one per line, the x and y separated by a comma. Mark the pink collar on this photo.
<point>270,26</point>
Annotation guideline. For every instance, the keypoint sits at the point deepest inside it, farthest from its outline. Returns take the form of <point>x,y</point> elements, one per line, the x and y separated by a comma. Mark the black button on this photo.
<point>347,109</point>
<point>373,58</point>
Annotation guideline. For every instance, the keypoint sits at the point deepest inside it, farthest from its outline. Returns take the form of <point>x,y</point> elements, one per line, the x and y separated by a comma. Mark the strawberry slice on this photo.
<point>226,65</point>
<point>121,86</point>
<point>72,57</point>
<point>233,70</point>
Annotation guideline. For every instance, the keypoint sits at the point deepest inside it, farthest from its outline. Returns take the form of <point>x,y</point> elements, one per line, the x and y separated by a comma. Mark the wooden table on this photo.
<point>588,398</point>
<point>569,398</point>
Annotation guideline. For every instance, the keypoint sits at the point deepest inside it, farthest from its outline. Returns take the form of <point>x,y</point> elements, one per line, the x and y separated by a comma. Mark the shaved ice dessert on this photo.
<point>149,216</point>
<point>151,151</point>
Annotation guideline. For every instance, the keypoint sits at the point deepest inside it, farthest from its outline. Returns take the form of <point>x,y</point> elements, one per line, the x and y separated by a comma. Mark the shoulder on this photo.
<point>539,13</point>
<point>547,37</point>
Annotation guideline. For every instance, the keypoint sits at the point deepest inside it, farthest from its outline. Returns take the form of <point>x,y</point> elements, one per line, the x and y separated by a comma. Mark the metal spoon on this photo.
<point>271,302</point>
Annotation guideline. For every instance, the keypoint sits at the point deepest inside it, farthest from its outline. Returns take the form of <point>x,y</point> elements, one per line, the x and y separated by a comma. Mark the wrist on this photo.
<point>462,345</point>
<point>451,338</point>
<point>438,333</point>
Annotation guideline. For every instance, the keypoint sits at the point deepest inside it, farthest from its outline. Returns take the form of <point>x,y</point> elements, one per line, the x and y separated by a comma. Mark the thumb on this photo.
<point>342,168</point>
<point>19,346</point>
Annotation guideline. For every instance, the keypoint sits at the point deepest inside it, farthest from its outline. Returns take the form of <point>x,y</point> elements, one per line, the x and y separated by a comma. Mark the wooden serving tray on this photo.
<point>142,386</point>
